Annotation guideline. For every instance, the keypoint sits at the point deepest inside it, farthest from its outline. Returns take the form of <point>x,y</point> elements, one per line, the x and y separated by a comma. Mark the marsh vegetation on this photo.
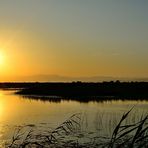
<point>81,90</point>
<point>71,133</point>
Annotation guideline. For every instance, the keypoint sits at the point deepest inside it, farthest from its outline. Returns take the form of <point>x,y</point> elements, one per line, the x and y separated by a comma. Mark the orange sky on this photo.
<point>79,38</point>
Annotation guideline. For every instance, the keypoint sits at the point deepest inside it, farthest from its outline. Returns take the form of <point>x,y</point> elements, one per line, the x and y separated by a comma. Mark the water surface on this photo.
<point>99,116</point>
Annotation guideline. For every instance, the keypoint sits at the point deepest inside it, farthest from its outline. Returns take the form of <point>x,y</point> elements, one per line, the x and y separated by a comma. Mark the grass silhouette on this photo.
<point>124,135</point>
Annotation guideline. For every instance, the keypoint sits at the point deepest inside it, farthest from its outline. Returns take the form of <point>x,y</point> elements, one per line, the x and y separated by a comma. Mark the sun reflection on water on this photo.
<point>1,105</point>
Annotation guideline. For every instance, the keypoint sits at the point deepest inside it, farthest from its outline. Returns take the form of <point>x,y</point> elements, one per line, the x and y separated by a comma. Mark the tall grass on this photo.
<point>70,134</point>
<point>52,138</point>
<point>130,135</point>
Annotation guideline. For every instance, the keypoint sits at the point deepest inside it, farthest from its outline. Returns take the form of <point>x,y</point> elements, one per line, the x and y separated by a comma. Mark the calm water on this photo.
<point>17,111</point>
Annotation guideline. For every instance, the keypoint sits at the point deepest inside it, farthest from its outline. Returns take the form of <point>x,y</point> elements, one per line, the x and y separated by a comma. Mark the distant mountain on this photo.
<point>58,78</point>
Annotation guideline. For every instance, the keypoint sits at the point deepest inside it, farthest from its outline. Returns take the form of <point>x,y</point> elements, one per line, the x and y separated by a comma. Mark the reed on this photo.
<point>22,139</point>
<point>132,135</point>
<point>69,134</point>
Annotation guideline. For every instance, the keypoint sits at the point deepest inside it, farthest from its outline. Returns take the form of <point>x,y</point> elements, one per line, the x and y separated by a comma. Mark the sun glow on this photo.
<point>2,58</point>
<point>1,105</point>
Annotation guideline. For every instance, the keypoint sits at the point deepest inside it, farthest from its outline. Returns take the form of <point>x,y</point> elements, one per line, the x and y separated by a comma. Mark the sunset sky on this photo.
<point>74,38</point>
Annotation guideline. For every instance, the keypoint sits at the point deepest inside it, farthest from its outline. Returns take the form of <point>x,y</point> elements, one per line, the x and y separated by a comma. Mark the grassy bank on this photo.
<point>94,91</point>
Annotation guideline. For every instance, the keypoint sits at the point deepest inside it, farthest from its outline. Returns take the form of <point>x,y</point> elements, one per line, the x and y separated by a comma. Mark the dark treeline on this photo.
<point>81,89</point>
<point>17,85</point>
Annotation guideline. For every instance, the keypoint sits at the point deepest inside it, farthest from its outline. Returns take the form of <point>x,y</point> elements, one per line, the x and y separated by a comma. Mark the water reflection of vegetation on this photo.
<point>72,134</point>
<point>58,99</point>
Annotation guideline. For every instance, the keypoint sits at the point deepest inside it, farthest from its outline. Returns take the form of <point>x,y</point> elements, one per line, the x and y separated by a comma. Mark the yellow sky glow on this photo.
<point>2,58</point>
<point>66,39</point>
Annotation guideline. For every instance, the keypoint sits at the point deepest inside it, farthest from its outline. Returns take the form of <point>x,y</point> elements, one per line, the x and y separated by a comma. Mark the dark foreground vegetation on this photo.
<point>69,134</point>
<point>115,90</point>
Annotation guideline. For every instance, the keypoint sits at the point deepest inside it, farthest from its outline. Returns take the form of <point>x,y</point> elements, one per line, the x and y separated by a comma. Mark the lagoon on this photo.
<point>98,117</point>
